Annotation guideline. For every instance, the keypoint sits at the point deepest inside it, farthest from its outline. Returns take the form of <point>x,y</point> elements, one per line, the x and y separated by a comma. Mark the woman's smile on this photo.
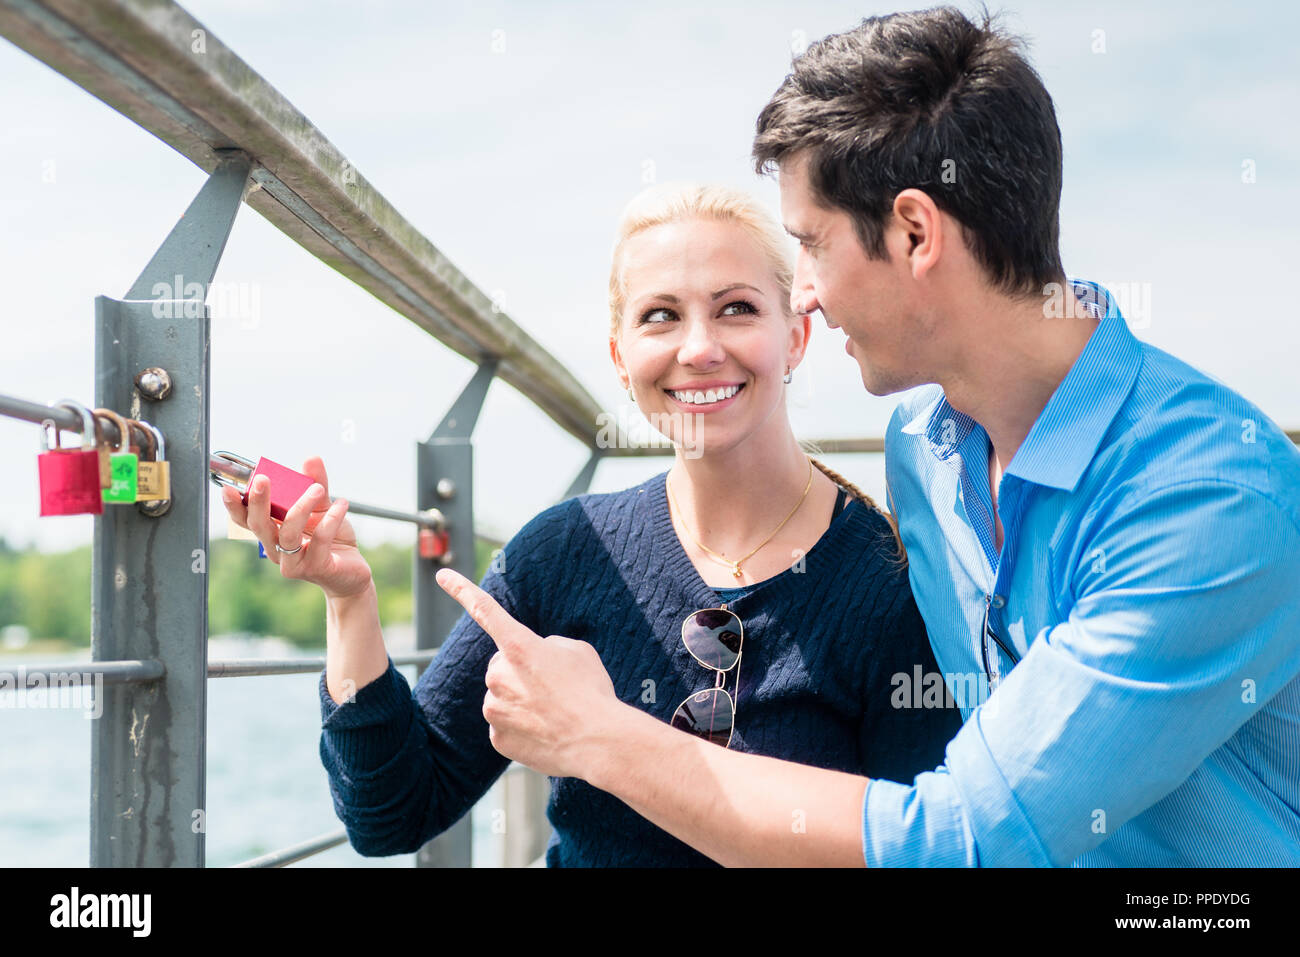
<point>705,399</point>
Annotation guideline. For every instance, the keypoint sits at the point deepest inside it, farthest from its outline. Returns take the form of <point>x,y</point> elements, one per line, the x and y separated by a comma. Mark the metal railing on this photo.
<point>154,63</point>
<point>158,66</point>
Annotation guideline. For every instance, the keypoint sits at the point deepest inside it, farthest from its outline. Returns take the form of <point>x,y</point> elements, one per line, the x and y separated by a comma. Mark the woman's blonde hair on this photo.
<point>679,202</point>
<point>900,553</point>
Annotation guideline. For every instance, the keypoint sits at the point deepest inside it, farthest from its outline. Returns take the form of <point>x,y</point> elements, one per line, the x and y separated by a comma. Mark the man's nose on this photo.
<point>803,299</point>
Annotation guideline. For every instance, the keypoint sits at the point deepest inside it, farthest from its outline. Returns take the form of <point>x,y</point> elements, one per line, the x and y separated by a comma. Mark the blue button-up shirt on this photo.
<point>1149,582</point>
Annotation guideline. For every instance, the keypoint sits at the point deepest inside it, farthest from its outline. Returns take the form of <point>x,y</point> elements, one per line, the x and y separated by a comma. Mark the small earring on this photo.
<point>630,395</point>
<point>787,375</point>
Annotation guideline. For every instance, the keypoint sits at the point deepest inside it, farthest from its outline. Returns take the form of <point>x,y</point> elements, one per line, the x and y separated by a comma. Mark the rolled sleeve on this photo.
<point>921,825</point>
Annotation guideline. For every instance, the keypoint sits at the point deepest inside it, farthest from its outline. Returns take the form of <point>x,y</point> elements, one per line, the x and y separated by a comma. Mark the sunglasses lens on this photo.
<point>708,715</point>
<point>713,636</point>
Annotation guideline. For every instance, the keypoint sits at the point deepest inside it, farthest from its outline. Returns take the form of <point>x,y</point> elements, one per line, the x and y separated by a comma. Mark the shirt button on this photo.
<point>998,601</point>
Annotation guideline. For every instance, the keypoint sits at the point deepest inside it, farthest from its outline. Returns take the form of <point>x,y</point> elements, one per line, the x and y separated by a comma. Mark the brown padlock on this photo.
<point>105,454</point>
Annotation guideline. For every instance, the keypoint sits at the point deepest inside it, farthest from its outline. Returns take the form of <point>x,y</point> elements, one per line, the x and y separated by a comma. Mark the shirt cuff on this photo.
<point>921,825</point>
<point>375,705</point>
<point>987,804</point>
<point>367,732</point>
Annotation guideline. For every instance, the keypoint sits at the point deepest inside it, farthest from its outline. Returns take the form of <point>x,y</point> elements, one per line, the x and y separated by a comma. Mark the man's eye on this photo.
<point>651,314</point>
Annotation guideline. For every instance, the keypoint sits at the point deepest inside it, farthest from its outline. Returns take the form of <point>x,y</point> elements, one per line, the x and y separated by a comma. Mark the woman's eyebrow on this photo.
<point>733,287</point>
<point>668,297</point>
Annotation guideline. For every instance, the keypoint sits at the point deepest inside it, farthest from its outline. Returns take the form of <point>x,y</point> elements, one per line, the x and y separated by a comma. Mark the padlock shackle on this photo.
<point>150,440</point>
<point>227,468</point>
<point>160,441</point>
<point>122,427</point>
<point>46,425</point>
<point>91,431</point>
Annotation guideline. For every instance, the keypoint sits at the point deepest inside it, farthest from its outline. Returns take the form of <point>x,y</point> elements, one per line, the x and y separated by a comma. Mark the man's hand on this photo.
<point>549,701</point>
<point>552,707</point>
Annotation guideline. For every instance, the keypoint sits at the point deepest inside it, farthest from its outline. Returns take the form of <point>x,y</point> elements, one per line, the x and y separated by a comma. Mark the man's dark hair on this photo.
<point>928,100</point>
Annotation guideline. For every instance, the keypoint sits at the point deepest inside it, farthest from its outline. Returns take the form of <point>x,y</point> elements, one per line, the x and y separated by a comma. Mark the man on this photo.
<point>1106,536</point>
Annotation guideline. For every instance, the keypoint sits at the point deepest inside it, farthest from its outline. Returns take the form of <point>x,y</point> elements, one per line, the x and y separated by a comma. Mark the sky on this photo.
<point>512,134</point>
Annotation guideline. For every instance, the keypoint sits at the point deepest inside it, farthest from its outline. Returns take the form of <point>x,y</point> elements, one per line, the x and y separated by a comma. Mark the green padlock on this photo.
<point>124,464</point>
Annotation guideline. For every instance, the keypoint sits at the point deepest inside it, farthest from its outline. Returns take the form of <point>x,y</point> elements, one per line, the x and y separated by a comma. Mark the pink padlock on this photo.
<point>287,486</point>
<point>69,478</point>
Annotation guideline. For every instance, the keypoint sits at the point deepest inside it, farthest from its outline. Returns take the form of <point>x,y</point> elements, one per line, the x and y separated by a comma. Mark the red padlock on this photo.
<point>69,478</point>
<point>287,486</point>
<point>434,542</point>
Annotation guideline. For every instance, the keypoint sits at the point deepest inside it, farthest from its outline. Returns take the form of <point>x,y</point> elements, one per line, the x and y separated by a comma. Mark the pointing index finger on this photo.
<point>511,637</point>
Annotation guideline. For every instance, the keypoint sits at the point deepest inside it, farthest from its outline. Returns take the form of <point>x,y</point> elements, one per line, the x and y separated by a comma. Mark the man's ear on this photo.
<point>919,231</point>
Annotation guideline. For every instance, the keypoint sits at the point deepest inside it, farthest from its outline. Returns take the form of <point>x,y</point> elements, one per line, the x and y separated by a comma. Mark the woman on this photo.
<point>750,594</point>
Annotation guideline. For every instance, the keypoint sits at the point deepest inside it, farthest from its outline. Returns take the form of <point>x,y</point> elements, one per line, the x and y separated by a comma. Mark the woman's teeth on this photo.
<point>706,398</point>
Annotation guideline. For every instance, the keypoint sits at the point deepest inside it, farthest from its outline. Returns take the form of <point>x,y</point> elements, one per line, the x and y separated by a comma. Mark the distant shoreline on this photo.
<point>224,645</point>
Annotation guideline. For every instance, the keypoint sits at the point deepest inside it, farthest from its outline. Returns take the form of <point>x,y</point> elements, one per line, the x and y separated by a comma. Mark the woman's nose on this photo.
<point>701,346</point>
<point>803,298</point>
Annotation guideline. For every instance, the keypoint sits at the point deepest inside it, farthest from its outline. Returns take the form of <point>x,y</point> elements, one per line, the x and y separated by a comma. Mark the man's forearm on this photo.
<point>738,809</point>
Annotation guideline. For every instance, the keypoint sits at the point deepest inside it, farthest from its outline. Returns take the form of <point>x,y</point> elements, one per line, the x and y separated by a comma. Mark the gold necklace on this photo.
<point>735,566</point>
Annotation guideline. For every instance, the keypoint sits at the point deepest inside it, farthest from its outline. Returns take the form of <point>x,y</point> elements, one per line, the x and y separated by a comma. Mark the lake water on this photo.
<point>266,788</point>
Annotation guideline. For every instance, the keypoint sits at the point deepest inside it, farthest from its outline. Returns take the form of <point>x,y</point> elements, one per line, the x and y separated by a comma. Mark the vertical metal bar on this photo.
<point>447,458</point>
<point>527,830</point>
<point>150,586</point>
<point>582,481</point>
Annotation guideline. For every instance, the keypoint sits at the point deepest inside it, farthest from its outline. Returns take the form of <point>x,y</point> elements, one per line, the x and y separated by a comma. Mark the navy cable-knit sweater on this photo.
<point>821,642</point>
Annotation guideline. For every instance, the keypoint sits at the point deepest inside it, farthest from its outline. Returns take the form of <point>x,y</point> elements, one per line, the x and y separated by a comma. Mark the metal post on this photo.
<point>150,584</point>
<point>582,481</point>
<point>445,480</point>
<point>527,830</point>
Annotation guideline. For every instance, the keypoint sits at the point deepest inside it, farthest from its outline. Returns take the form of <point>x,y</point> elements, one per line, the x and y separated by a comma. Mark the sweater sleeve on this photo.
<point>404,766</point>
<point>909,716</point>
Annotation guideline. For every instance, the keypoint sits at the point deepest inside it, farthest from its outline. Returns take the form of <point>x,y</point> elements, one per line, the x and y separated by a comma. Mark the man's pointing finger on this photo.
<point>510,636</point>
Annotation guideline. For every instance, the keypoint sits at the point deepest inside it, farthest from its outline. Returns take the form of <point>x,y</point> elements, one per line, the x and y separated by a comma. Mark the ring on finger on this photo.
<point>289,551</point>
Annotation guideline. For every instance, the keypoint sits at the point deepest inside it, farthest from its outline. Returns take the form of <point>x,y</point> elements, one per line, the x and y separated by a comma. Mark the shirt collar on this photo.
<point>1065,436</point>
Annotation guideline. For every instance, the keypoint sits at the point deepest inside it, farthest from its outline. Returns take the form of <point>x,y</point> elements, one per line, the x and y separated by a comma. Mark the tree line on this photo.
<point>48,593</point>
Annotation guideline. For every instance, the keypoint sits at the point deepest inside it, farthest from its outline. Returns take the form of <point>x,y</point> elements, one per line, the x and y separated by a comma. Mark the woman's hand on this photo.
<point>329,556</point>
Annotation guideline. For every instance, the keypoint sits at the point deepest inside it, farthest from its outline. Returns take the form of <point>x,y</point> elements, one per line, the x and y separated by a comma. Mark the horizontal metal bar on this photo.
<point>430,519</point>
<point>85,672</point>
<point>65,419</point>
<point>138,56</point>
<point>243,667</point>
<point>224,470</point>
<point>36,412</point>
<point>826,446</point>
<point>839,446</point>
<point>297,852</point>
